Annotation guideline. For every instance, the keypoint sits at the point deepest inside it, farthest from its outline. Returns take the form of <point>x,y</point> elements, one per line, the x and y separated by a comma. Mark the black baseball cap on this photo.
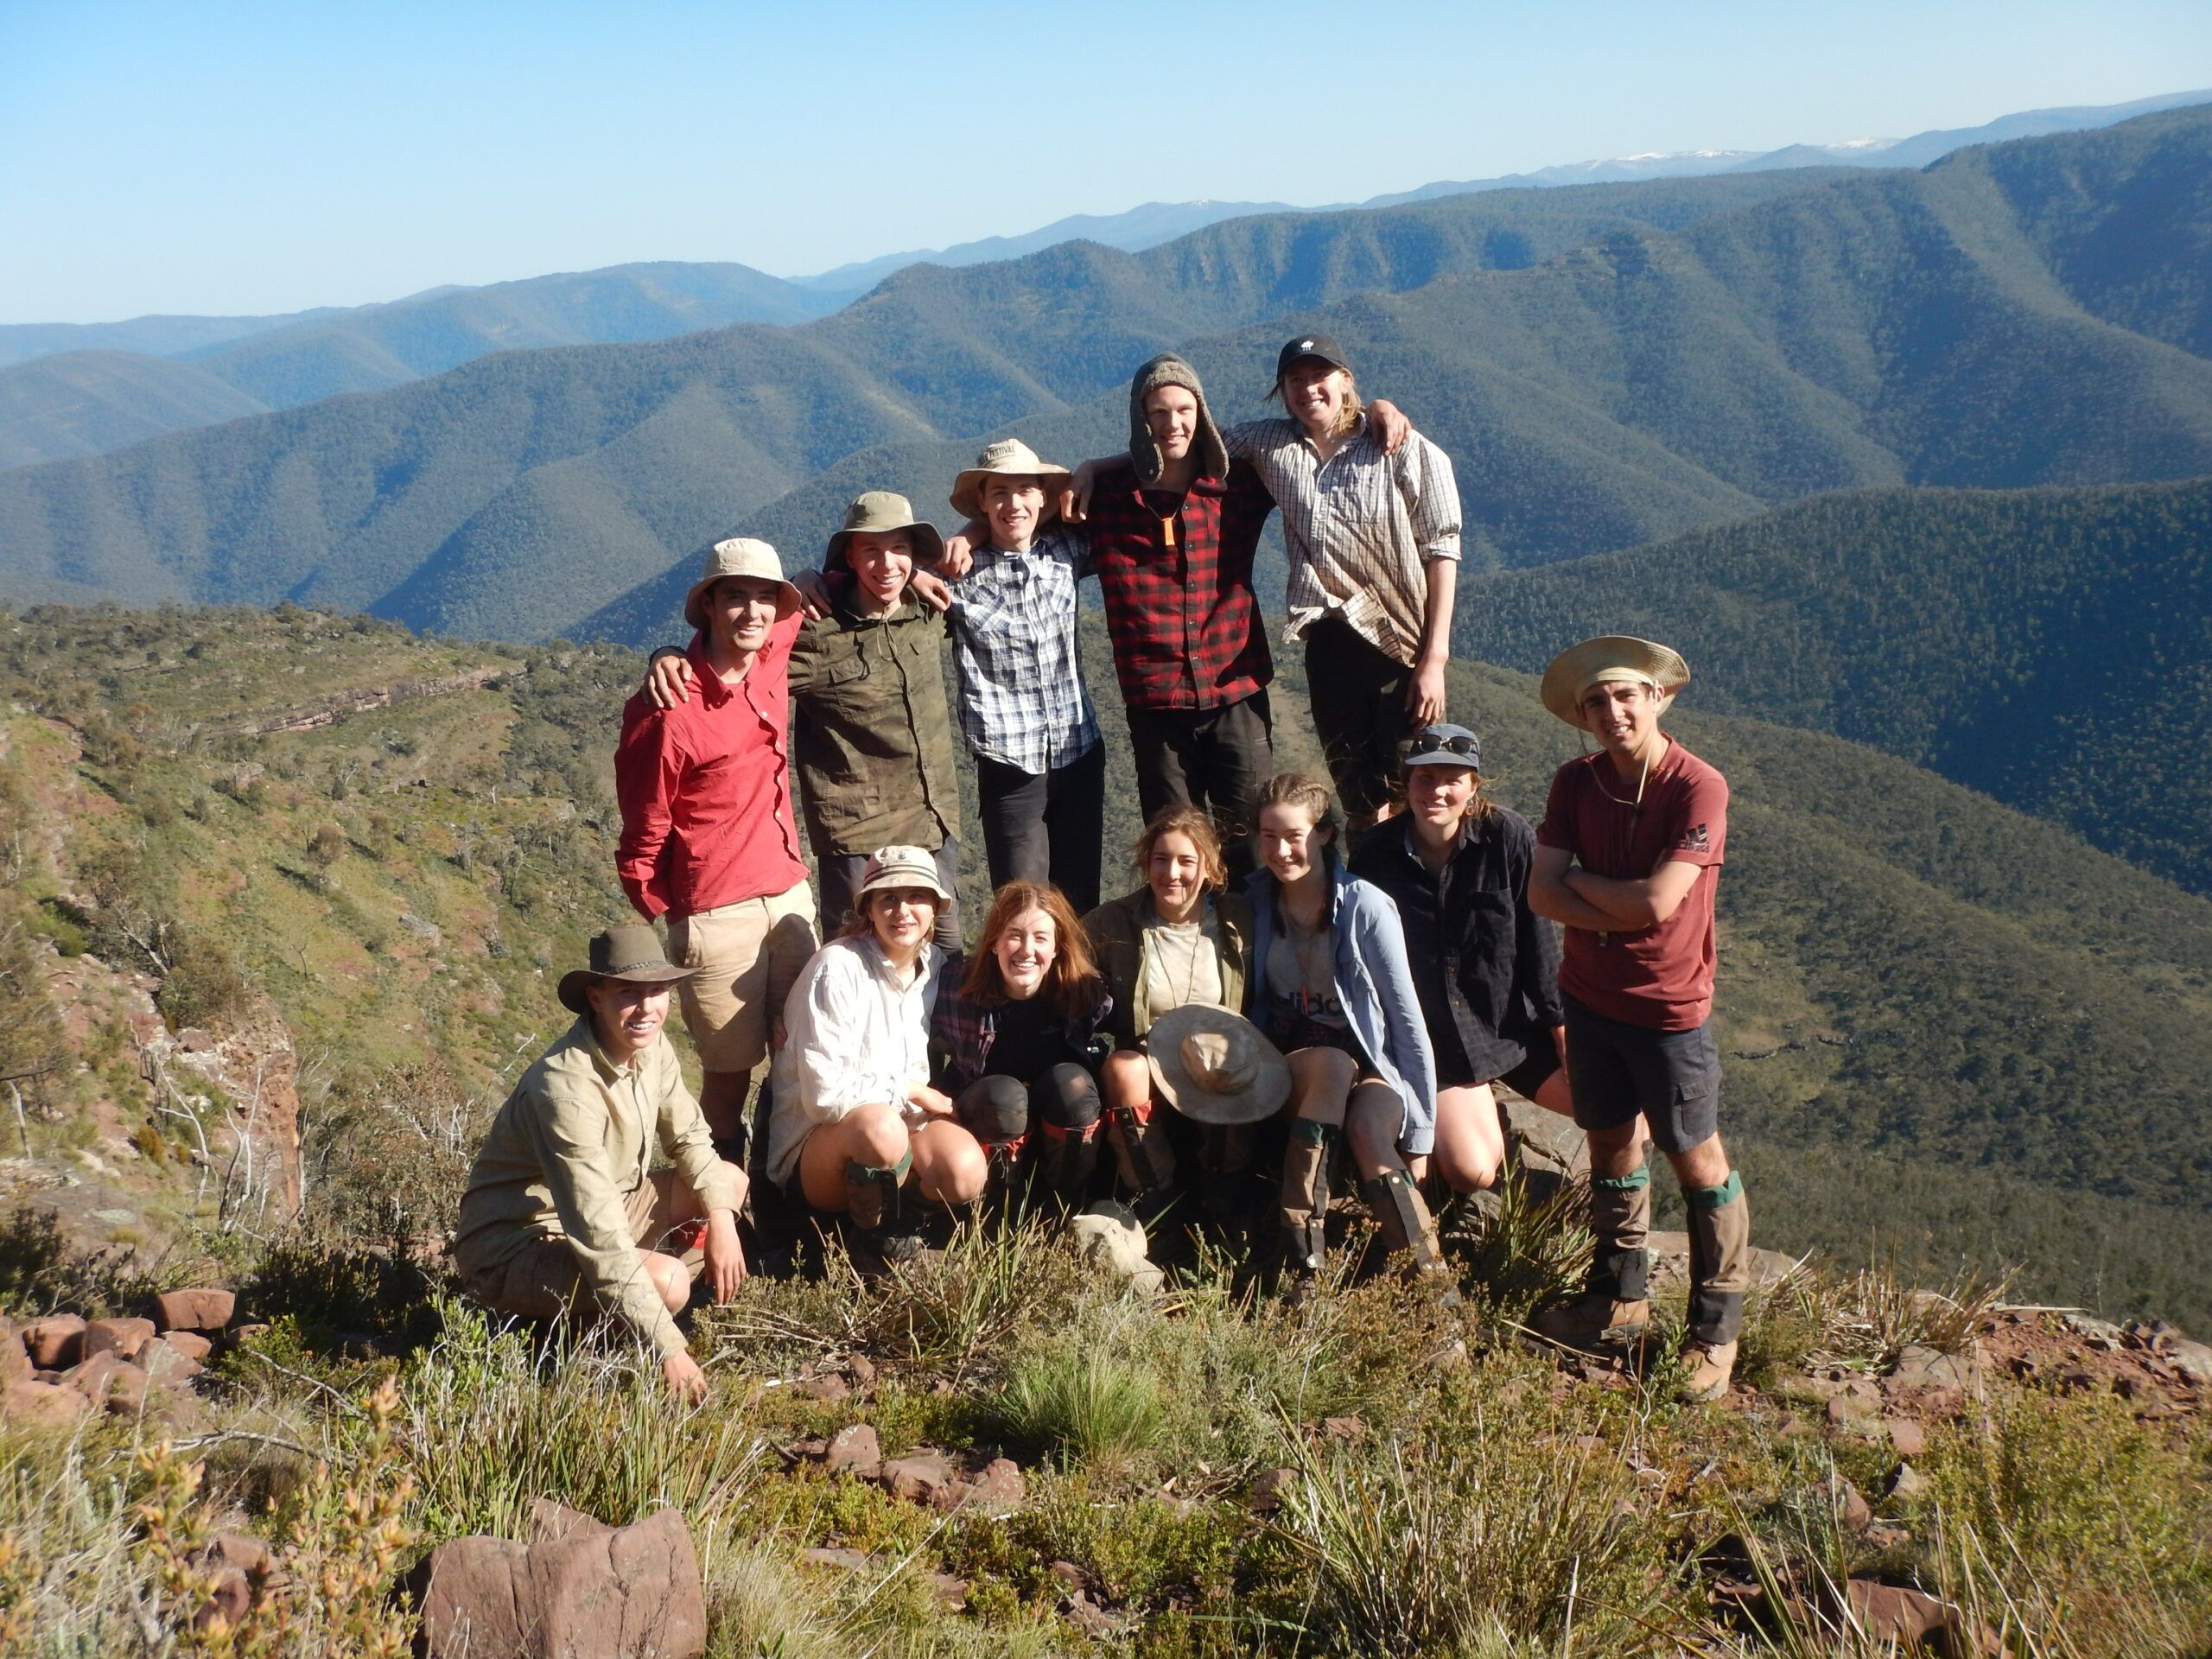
<point>1320,345</point>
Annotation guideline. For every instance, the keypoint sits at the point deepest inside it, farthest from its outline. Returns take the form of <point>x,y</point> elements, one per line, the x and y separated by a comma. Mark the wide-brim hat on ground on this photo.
<point>740,555</point>
<point>880,512</point>
<point>1008,458</point>
<point>1215,1067</point>
<point>631,953</point>
<point>1610,656</point>
<point>1443,745</point>
<point>901,867</point>
<point>1321,345</point>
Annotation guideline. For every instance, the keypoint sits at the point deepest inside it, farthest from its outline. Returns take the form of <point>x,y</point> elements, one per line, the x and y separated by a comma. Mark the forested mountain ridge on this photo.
<point>1871,328</point>
<point>2048,647</point>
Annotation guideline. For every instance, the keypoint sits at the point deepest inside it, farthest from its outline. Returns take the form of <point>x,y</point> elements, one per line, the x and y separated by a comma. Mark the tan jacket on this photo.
<point>573,1142</point>
<point>1120,931</point>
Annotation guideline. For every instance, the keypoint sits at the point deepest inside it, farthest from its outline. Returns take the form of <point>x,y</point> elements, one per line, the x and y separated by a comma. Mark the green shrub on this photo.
<point>1089,1405</point>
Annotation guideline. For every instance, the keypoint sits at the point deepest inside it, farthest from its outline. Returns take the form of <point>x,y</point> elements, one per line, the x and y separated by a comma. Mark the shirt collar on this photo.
<point>609,1072</point>
<point>712,693</point>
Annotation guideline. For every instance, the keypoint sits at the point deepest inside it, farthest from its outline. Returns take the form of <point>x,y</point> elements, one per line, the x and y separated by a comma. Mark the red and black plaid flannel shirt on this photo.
<point>1186,625</point>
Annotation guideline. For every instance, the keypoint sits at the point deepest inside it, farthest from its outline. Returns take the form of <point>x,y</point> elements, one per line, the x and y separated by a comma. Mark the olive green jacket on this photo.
<point>1117,929</point>
<point>874,737</point>
<point>570,1146</point>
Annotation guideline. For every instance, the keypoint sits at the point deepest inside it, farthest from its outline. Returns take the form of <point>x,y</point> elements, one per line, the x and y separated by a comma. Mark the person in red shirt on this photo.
<point>709,837</point>
<point>1627,859</point>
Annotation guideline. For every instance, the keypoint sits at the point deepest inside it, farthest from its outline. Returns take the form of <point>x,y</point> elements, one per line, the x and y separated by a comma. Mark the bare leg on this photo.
<point>1469,1145</point>
<point>949,1164</point>
<point>874,1136</point>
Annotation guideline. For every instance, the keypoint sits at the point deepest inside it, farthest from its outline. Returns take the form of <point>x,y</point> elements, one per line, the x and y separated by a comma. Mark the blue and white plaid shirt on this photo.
<point>1022,698</point>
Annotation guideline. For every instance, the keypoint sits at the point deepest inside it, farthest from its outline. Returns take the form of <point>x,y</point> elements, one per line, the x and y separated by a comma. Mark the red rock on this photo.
<point>630,1593</point>
<point>1914,1621</point>
<point>854,1451</point>
<point>167,1365</point>
<point>229,1603</point>
<point>15,1363</point>
<point>127,1388</point>
<point>850,1561</point>
<point>917,1478</point>
<point>243,1551</point>
<point>124,1339</point>
<point>829,1387</point>
<point>863,1370</point>
<point>952,1592</point>
<point>204,1309</point>
<point>190,1343</point>
<point>467,1590</point>
<point>56,1343</point>
<point>551,1523</point>
<point>999,1485</point>
<point>1267,1488</point>
<point>93,1378</point>
<point>1907,1436</point>
<point>49,1404</point>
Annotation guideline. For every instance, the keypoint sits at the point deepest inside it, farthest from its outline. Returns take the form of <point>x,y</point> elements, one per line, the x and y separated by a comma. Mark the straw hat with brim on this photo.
<point>631,953</point>
<point>1610,656</point>
<point>1009,458</point>
<point>880,512</point>
<point>1215,1067</point>
<point>740,555</point>
<point>902,867</point>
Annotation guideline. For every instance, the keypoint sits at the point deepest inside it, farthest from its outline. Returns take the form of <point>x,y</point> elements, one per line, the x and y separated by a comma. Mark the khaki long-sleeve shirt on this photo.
<point>573,1142</point>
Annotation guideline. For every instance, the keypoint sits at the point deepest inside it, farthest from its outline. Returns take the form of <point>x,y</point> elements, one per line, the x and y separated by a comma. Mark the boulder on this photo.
<point>126,1395</point>
<point>917,1479</point>
<point>1929,1368</point>
<point>15,1363</point>
<point>49,1404</point>
<point>169,1364</point>
<point>56,1343</point>
<point>203,1309</point>
<point>467,1591</point>
<point>227,1603</point>
<point>854,1451</point>
<point>629,1592</point>
<point>1914,1621</point>
<point>124,1339</point>
<point>93,1377</point>
<point>999,1485</point>
<point>550,1522</point>
<point>1909,1439</point>
<point>1108,1237</point>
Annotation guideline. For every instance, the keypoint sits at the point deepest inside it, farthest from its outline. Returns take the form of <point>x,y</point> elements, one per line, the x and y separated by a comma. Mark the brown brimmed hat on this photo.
<point>880,512</point>
<point>1215,1067</point>
<point>633,953</point>
<point>740,555</point>
<point>901,867</point>
<point>1009,458</point>
<point>1610,656</point>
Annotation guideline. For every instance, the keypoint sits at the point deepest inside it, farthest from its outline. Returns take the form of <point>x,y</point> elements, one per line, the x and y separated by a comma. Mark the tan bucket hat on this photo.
<point>633,953</point>
<point>1011,458</point>
<point>1610,656</point>
<point>1215,1067</point>
<point>740,555</point>
<point>878,512</point>
<point>902,867</point>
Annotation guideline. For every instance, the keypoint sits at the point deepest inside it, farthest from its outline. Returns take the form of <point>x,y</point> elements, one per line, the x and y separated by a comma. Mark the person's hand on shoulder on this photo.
<point>813,593</point>
<point>959,556</point>
<point>1075,498</point>
<point>685,1380</point>
<point>1392,428</point>
<point>668,677</point>
<point>930,588</point>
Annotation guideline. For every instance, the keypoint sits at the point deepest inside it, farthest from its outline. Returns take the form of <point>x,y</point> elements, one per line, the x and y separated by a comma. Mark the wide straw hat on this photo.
<point>631,953</point>
<point>1215,1067</point>
<point>1610,656</point>
<point>1009,458</point>
<point>902,867</point>
<point>740,555</point>
<point>880,512</point>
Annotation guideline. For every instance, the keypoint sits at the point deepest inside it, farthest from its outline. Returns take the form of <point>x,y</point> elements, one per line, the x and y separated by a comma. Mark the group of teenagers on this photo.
<point>1305,973</point>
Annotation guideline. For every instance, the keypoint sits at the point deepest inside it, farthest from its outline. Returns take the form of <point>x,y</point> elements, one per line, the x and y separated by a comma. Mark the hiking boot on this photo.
<point>1595,1319</point>
<point>1712,1369</point>
<point>1305,1200</point>
<point>1408,1229</point>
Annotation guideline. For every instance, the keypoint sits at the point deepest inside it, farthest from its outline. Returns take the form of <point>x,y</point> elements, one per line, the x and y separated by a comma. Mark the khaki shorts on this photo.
<point>748,955</point>
<point>542,1281</point>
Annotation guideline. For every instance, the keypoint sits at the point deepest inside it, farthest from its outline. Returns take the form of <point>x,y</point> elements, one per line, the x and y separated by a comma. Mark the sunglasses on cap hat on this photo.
<point>1441,747</point>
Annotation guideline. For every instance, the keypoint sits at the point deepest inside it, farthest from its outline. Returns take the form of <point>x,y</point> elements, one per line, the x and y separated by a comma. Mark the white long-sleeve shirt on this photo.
<point>852,1035</point>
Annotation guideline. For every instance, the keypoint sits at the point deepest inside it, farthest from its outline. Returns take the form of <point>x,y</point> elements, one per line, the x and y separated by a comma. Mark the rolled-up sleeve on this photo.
<point>1431,492</point>
<point>570,1145</point>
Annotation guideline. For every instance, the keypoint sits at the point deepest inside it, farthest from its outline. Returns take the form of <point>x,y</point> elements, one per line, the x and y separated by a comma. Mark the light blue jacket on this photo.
<point>1376,988</point>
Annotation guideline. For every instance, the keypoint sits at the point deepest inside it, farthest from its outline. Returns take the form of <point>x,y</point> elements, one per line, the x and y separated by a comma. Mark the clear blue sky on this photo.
<point>257,158</point>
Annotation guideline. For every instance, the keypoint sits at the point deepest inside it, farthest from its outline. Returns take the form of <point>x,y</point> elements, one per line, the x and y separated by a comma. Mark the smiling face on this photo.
<point>740,610</point>
<point>1014,507</point>
<point>1024,949</point>
<point>626,1015</point>
<point>903,919</point>
<point>1176,873</point>
<point>880,561</point>
<point>1437,795</point>
<point>1290,843</point>
<point>1621,715</point>
<point>1172,414</point>
<point>1316,394</point>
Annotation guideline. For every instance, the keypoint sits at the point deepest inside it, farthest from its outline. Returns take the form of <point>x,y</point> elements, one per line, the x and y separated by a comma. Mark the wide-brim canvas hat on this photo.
<point>1008,458</point>
<point>631,953</point>
<point>1610,656</point>
<point>880,512</point>
<point>1215,1067</point>
<point>901,867</point>
<point>740,555</point>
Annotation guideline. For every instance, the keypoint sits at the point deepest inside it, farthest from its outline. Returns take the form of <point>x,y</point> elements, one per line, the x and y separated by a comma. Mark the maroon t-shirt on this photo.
<point>1659,977</point>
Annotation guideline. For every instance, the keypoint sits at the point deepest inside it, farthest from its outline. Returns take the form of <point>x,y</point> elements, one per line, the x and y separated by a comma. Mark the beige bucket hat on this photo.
<point>1215,1067</point>
<point>901,867</point>
<point>633,953</point>
<point>1610,656</point>
<point>740,555</point>
<point>878,512</point>
<point>1013,458</point>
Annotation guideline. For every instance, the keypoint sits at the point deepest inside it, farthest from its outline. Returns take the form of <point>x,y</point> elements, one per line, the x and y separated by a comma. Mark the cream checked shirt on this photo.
<point>1361,527</point>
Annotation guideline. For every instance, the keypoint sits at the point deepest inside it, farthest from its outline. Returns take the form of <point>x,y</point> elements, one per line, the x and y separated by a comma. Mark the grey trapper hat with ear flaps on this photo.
<point>1206,446</point>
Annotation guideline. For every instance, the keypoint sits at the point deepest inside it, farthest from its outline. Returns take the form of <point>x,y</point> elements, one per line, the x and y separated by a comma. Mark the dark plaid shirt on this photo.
<point>961,1034</point>
<point>1186,624</point>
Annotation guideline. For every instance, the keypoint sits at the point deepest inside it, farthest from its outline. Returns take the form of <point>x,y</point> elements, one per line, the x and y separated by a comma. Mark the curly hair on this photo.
<point>1072,984</point>
<point>1181,818</point>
